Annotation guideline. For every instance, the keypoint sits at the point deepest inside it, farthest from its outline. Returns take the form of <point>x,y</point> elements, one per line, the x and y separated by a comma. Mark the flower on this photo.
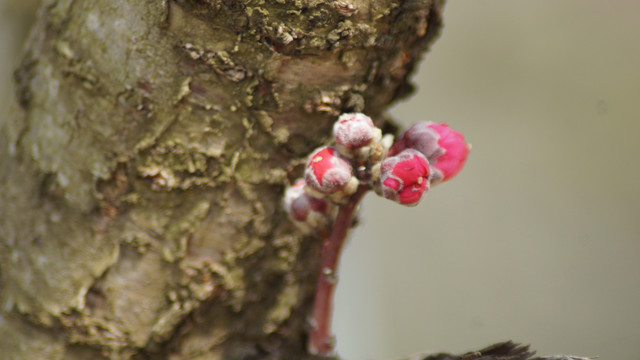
<point>444,148</point>
<point>404,177</point>
<point>356,136</point>
<point>328,172</point>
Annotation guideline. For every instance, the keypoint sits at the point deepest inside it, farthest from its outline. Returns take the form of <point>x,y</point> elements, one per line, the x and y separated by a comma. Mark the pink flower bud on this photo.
<point>328,172</point>
<point>445,148</point>
<point>451,155</point>
<point>404,177</point>
<point>357,138</point>
<point>420,136</point>
<point>354,130</point>
<point>304,208</point>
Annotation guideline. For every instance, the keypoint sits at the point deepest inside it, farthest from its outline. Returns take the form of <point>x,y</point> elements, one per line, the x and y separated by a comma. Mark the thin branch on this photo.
<point>320,338</point>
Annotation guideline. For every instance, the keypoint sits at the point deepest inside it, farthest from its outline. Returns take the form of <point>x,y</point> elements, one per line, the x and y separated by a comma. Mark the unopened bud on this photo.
<point>356,136</point>
<point>328,172</point>
<point>305,210</point>
<point>404,177</point>
<point>445,148</point>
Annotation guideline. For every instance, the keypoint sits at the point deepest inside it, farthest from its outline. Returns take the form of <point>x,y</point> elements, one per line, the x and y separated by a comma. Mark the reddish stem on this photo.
<point>320,338</point>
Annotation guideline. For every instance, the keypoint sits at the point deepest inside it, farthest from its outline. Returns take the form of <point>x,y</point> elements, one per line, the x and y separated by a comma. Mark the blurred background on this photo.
<point>538,238</point>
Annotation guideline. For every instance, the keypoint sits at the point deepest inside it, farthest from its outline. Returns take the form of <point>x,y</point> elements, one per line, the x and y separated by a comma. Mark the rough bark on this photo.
<point>144,161</point>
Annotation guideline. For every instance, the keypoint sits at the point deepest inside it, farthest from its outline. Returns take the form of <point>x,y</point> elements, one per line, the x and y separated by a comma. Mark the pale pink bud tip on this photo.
<point>354,130</point>
<point>404,177</point>
<point>420,136</point>
<point>327,171</point>
<point>299,204</point>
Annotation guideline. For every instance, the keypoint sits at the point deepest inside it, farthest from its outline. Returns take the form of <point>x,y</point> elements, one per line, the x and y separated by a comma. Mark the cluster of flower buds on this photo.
<point>444,148</point>
<point>338,175</point>
<point>426,154</point>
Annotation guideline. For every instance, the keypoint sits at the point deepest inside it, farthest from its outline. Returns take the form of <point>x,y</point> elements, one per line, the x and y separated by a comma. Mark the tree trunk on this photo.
<point>145,158</point>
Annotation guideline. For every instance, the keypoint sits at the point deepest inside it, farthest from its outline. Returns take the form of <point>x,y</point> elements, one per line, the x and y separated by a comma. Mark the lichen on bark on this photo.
<point>144,163</point>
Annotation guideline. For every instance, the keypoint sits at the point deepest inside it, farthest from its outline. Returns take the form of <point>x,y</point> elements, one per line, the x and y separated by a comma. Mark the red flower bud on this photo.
<point>328,172</point>
<point>445,148</point>
<point>404,177</point>
<point>304,208</point>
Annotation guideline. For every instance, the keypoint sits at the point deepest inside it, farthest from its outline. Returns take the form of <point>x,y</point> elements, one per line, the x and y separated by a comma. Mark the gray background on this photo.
<point>538,238</point>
